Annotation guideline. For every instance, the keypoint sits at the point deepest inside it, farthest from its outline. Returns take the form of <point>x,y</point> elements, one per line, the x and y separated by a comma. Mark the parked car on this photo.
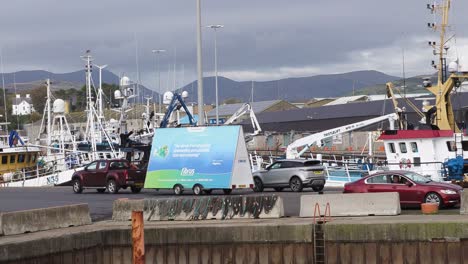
<point>109,174</point>
<point>413,188</point>
<point>294,173</point>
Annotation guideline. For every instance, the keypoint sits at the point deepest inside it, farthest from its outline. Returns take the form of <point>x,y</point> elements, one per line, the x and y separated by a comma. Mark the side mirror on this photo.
<point>409,184</point>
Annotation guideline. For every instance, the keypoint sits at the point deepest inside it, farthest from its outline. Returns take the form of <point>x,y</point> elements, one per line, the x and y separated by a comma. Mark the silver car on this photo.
<point>295,174</point>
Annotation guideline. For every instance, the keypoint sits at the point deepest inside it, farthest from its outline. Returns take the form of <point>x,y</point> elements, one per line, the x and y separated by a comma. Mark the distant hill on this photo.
<point>412,84</point>
<point>290,89</point>
<point>27,80</point>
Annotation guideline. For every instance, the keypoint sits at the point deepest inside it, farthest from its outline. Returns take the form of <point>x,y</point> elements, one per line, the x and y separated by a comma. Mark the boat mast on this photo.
<point>445,119</point>
<point>90,133</point>
<point>49,130</point>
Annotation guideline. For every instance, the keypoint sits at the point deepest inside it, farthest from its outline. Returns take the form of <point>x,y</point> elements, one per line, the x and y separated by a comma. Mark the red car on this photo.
<point>413,188</point>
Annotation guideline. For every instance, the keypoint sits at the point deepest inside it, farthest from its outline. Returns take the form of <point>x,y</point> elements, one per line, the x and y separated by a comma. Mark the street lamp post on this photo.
<point>215,28</point>
<point>201,114</point>
<point>156,52</point>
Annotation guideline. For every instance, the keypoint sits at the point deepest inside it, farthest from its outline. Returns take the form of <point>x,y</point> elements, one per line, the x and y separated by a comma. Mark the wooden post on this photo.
<point>138,238</point>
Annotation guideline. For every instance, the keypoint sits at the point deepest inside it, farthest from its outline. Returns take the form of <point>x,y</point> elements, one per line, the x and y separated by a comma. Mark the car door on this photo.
<point>408,190</point>
<point>101,173</point>
<point>378,183</point>
<point>273,173</point>
<point>89,174</point>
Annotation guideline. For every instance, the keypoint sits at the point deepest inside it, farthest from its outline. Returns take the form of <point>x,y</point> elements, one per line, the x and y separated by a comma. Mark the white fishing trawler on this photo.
<point>440,140</point>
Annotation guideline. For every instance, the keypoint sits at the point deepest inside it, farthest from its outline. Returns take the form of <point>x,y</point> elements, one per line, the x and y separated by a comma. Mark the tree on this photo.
<point>38,97</point>
<point>232,101</point>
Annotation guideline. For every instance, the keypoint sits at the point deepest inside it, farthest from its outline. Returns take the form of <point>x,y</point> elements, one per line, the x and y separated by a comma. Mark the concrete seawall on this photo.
<point>431,239</point>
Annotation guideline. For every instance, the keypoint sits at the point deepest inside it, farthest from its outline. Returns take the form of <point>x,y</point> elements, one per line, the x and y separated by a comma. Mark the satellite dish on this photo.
<point>124,81</point>
<point>167,97</point>
<point>185,94</point>
<point>58,106</point>
<point>117,94</point>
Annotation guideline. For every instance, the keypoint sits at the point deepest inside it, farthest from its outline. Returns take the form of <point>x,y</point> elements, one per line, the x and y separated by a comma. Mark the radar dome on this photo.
<point>184,94</point>
<point>125,81</point>
<point>453,67</point>
<point>59,106</point>
<point>167,97</point>
<point>117,94</point>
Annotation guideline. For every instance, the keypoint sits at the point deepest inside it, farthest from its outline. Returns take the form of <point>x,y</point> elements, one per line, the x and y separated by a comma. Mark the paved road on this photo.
<point>100,204</point>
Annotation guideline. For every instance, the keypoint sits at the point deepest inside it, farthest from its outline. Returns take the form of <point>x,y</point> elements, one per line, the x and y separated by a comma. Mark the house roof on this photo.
<point>230,109</point>
<point>18,101</point>
<point>304,118</point>
<point>348,99</point>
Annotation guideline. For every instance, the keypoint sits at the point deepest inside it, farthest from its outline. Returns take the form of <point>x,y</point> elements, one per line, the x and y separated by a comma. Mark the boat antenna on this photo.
<point>17,114</point>
<point>404,74</point>
<point>3,85</point>
<point>139,99</point>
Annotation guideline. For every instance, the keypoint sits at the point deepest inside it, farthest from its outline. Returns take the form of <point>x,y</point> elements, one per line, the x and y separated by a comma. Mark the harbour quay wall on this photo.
<point>390,239</point>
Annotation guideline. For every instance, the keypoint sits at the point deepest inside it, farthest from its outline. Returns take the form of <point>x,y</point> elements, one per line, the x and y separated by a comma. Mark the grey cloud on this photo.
<point>258,35</point>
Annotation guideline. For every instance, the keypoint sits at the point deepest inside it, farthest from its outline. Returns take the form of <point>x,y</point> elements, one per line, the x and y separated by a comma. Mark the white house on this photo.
<point>23,106</point>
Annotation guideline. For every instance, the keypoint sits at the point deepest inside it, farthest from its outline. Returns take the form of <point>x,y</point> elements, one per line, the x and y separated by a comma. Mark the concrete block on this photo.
<point>200,208</point>
<point>122,209</point>
<point>464,203</point>
<point>352,204</point>
<point>44,219</point>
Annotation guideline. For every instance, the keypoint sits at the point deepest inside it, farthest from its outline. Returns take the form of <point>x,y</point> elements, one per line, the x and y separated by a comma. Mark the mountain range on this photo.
<point>290,89</point>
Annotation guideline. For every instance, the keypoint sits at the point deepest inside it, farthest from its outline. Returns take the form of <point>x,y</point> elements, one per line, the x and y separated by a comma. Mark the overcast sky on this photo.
<point>262,39</point>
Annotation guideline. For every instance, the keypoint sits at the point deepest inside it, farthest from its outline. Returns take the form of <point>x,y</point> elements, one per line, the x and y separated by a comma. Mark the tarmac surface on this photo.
<point>100,204</point>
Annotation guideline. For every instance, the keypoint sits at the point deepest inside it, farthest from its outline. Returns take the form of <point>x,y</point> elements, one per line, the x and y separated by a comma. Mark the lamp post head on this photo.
<point>215,26</point>
<point>158,51</point>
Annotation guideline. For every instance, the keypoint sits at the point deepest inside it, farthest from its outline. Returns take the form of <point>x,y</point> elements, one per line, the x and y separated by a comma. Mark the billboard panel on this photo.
<point>192,155</point>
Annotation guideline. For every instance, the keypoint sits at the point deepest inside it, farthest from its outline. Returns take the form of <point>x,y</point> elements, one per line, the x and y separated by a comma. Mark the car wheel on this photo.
<point>178,189</point>
<point>197,189</point>
<point>433,197</point>
<point>258,185</point>
<point>135,189</point>
<point>207,191</point>
<point>295,184</point>
<point>101,190</point>
<point>112,186</point>
<point>278,189</point>
<point>317,188</point>
<point>227,191</point>
<point>77,187</point>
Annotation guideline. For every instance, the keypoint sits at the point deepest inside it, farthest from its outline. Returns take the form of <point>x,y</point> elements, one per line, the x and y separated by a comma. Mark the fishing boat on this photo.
<point>440,137</point>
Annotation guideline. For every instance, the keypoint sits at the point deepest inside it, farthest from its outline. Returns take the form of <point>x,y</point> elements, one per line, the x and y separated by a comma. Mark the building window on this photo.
<point>4,159</point>
<point>451,146</point>
<point>403,147</point>
<point>414,147</point>
<point>391,147</point>
<point>20,158</point>
<point>12,158</point>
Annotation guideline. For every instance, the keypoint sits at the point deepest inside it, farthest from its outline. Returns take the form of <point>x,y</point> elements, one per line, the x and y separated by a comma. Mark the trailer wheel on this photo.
<point>178,189</point>
<point>197,189</point>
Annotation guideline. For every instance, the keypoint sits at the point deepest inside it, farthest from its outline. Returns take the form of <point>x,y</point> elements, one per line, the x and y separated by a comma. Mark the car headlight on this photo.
<point>448,192</point>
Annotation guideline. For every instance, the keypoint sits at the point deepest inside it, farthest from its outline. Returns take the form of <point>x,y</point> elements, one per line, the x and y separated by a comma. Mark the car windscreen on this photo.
<point>119,165</point>
<point>310,163</point>
<point>416,177</point>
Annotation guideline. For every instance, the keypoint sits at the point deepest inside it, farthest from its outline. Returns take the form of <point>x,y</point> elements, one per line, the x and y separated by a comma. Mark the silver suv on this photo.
<point>295,174</point>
